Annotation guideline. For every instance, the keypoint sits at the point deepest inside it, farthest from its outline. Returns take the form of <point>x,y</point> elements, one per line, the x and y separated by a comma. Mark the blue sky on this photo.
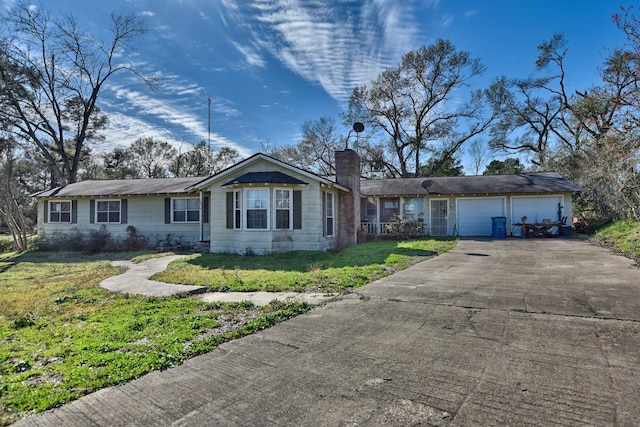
<point>270,65</point>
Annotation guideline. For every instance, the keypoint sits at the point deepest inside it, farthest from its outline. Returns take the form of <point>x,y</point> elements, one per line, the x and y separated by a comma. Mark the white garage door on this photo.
<point>536,208</point>
<point>474,215</point>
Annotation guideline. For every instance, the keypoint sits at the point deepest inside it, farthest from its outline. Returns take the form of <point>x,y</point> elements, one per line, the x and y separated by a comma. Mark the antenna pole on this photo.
<point>209,124</point>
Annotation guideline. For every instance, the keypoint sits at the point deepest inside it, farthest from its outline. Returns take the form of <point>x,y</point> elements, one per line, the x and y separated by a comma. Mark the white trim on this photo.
<point>276,209</point>
<point>326,216</point>
<point>108,212</point>
<point>201,216</point>
<point>438,199</point>
<point>60,211</point>
<point>237,208</point>
<point>186,211</point>
<point>246,209</point>
<point>259,156</point>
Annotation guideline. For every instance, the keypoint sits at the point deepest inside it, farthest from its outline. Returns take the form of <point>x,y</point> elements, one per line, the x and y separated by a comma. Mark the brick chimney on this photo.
<point>348,175</point>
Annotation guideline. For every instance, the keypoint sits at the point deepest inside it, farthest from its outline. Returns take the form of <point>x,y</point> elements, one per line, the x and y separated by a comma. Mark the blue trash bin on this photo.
<point>498,227</point>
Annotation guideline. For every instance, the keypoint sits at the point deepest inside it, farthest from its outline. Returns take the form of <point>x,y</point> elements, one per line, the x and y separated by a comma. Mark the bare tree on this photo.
<point>16,168</point>
<point>479,153</point>
<point>589,135</point>
<point>51,74</point>
<point>316,150</point>
<point>411,106</point>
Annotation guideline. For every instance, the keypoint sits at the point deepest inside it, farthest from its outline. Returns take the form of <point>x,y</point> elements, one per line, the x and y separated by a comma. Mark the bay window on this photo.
<point>268,208</point>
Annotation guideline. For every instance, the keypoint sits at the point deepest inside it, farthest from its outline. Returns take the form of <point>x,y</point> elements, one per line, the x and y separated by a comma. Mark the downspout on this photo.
<point>201,216</point>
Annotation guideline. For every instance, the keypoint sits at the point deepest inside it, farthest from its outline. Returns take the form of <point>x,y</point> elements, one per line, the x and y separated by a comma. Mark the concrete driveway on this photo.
<point>505,332</point>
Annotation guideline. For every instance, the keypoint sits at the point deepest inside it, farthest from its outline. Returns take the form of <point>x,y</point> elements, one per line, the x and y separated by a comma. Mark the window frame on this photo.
<point>247,209</point>
<point>60,212</point>
<point>389,208</point>
<point>289,209</point>
<point>237,209</point>
<point>108,211</point>
<point>185,211</point>
<point>329,214</point>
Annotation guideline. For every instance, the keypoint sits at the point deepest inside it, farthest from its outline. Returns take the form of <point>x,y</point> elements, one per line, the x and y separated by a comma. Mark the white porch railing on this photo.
<point>382,227</point>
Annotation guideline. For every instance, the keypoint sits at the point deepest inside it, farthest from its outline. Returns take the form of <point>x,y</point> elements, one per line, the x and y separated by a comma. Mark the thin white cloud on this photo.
<point>338,45</point>
<point>250,55</point>
<point>471,13</point>
<point>446,21</point>
<point>135,114</point>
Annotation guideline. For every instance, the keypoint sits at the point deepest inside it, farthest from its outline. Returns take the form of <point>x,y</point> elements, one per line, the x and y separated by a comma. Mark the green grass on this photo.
<point>623,236</point>
<point>6,242</point>
<point>302,271</point>
<point>62,336</point>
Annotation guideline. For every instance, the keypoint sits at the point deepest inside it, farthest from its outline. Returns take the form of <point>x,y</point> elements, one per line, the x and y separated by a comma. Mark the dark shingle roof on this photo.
<point>122,187</point>
<point>541,182</point>
<point>274,177</point>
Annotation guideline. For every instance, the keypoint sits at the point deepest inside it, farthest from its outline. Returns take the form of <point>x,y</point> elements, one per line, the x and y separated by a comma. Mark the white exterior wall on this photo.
<point>452,223</point>
<point>567,209</point>
<point>145,213</point>
<point>259,242</point>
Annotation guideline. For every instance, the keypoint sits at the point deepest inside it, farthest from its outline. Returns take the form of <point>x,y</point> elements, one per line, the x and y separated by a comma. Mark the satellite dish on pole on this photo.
<point>357,127</point>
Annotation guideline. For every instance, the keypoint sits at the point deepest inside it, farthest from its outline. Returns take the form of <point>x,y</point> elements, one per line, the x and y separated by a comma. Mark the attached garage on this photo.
<point>464,205</point>
<point>537,208</point>
<point>474,214</point>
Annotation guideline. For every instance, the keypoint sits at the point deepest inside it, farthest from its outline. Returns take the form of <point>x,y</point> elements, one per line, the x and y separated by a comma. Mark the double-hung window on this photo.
<point>329,214</point>
<point>237,209</point>
<point>257,209</point>
<point>108,211</point>
<point>60,211</point>
<point>283,209</point>
<point>186,209</point>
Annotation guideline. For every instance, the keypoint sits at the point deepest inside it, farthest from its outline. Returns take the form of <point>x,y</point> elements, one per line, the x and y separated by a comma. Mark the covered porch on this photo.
<point>381,215</point>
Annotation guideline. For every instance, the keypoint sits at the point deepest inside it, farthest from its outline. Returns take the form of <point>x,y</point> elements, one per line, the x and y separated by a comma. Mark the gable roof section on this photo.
<point>157,186</point>
<point>523,183</point>
<point>264,177</point>
<point>122,187</point>
<point>260,156</point>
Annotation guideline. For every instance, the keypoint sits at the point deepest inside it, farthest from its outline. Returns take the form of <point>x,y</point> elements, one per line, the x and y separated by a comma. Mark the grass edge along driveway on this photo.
<point>62,336</point>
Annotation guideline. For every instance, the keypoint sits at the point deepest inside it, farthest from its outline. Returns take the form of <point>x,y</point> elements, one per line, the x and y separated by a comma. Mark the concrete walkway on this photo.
<point>136,280</point>
<point>492,333</point>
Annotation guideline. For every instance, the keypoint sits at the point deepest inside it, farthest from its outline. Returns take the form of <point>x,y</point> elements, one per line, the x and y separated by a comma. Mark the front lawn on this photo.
<point>62,336</point>
<point>302,271</point>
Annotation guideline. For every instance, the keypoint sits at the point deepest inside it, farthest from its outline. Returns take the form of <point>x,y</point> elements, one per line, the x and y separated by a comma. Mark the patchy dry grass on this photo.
<point>303,271</point>
<point>62,336</point>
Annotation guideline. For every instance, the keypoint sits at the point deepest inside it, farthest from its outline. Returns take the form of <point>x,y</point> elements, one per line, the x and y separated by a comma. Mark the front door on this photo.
<point>439,217</point>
